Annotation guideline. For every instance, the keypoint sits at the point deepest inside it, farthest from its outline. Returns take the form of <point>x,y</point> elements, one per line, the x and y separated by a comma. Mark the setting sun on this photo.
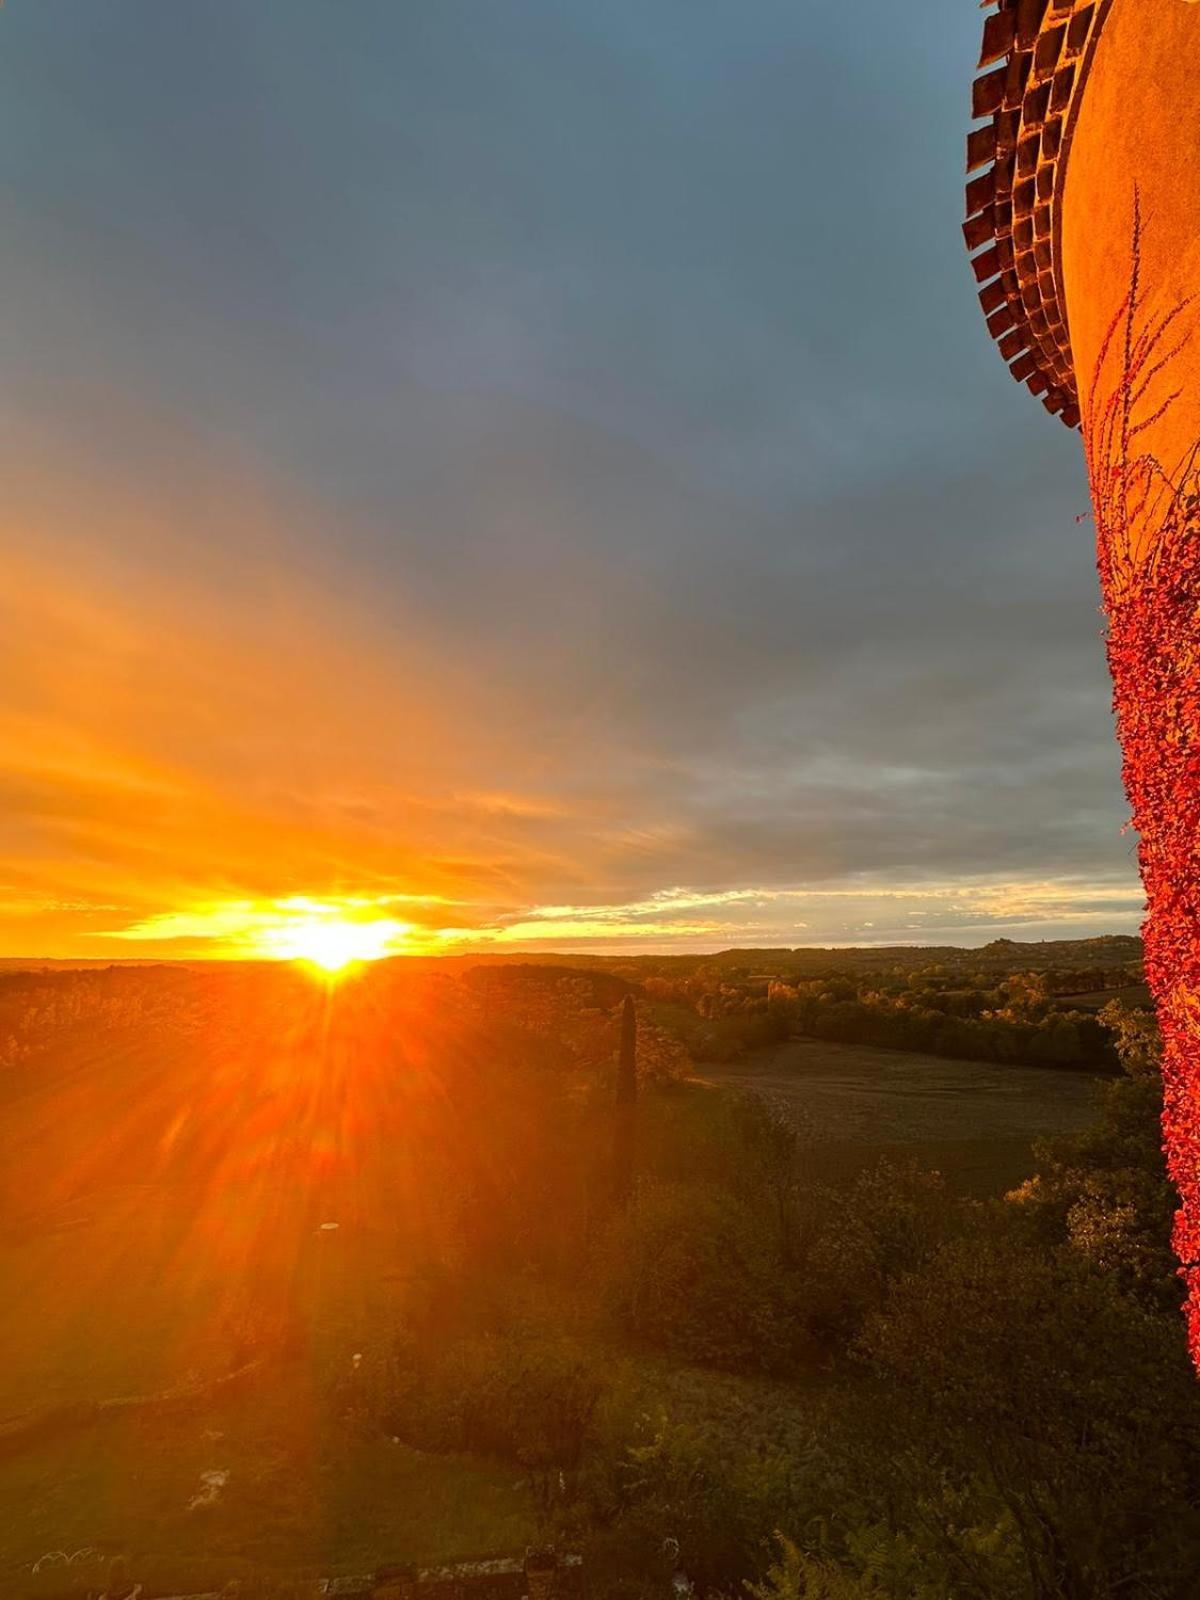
<point>329,933</point>
<point>333,943</point>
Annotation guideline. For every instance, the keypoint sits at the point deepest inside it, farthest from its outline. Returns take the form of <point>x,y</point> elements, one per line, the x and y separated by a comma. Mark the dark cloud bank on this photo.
<point>633,348</point>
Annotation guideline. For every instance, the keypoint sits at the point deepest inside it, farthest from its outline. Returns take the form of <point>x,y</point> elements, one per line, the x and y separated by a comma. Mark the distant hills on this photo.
<point>1114,950</point>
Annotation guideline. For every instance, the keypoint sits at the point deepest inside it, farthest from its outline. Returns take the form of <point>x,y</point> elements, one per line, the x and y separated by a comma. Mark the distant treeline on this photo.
<point>975,1005</point>
<point>42,1008</point>
<point>1035,1018</point>
<point>1071,959</point>
<point>1016,1022</point>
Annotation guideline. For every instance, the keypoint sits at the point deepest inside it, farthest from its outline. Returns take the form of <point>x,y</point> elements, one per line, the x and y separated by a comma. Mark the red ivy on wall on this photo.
<point>1148,550</point>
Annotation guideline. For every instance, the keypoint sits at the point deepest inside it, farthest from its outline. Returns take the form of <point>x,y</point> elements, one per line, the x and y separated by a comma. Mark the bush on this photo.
<point>713,1501</point>
<point>693,1136</point>
<point>798,1576</point>
<point>688,1270</point>
<point>1031,1374</point>
<point>525,1399</point>
<point>890,1221</point>
<point>1104,1190</point>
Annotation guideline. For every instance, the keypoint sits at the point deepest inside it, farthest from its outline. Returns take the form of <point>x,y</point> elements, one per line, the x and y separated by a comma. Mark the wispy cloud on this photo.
<point>674,918</point>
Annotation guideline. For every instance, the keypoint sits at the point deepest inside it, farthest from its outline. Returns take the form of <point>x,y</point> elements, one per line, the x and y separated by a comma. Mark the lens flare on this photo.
<point>333,943</point>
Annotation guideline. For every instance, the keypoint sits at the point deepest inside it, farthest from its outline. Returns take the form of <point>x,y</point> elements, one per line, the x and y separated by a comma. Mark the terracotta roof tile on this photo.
<point>1035,55</point>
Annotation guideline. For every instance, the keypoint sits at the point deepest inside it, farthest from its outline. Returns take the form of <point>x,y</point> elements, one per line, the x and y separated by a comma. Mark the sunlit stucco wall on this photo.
<point>1137,127</point>
<point>1129,199</point>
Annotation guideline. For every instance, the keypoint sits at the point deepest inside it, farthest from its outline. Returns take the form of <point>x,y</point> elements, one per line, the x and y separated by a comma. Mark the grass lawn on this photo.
<point>303,1490</point>
<point>301,1495</point>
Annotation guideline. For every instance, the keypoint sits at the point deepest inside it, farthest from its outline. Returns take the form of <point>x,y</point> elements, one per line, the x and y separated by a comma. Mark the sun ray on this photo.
<point>332,942</point>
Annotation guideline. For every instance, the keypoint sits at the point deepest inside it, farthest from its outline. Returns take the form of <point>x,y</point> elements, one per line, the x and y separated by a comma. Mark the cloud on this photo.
<point>464,493</point>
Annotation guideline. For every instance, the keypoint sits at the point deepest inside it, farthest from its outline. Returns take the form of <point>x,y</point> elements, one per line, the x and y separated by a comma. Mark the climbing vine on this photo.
<point>1148,550</point>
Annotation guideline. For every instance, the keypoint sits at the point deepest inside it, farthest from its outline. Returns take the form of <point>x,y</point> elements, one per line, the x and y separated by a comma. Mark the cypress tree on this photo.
<point>625,1121</point>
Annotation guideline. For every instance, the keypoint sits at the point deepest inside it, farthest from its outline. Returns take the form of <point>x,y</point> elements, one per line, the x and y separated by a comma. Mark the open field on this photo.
<point>1136,995</point>
<point>852,1104</point>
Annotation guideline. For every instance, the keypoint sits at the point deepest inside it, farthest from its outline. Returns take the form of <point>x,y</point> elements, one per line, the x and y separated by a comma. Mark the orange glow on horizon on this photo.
<point>192,772</point>
<point>333,943</point>
<point>328,933</point>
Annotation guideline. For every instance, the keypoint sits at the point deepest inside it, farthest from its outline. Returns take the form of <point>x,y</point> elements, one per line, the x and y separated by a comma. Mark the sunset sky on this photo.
<point>525,475</point>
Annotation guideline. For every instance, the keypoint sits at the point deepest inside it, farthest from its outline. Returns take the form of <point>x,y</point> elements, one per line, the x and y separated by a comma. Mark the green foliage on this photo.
<point>700,1491</point>
<point>690,1271</point>
<point>948,1009</point>
<point>794,1575</point>
<point>889,1221</point>
<point>527,1399</point>
<point>734,1142</point>
<point>1105,1190</point>
<point>625,1111</point>
<point>1032,1375</point>
<point>974,1024</point>
<point>1021,1423</point>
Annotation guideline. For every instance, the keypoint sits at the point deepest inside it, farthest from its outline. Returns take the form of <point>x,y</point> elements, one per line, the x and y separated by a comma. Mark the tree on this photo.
<point>1031,1373</point>
<point>1105,1190</point>
<point>625,1117</point>
<point>690,1271</point>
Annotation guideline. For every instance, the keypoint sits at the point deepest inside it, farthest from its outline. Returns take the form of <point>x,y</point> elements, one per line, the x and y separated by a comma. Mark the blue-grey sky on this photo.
<point>528,469</point>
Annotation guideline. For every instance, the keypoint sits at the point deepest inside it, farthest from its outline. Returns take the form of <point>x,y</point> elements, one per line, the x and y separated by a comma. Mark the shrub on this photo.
<point>526,1399</point>
<point>890,1221</point>
<point>1104,1190</point>
<point>688,1270</point>
<point>798,1576</point>
<point>1030,1373</point>
<point>710,1500</point>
